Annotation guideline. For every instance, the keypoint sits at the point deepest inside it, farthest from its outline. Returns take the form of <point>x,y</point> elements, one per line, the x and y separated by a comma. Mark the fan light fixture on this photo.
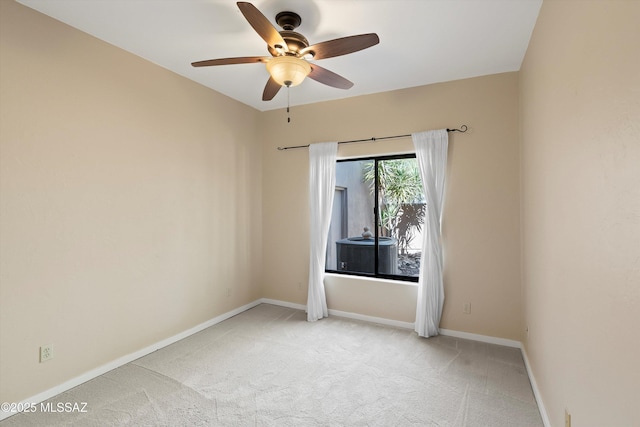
<point>288,70</point>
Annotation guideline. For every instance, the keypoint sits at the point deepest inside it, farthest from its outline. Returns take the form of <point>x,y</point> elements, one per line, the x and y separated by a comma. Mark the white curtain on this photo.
<point>431,154</point>
<point>322,184</point>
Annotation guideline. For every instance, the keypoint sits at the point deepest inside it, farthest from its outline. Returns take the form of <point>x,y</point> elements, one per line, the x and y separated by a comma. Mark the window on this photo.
<point>377,219</point>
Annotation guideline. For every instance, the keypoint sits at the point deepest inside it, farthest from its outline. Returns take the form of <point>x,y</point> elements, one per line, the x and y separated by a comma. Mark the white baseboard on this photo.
<point>399,324</point>
<point>372,319</point>
<point>536,391</point>
<point>284,304</point>
<point>482,338</point>
<point>67,385</point>
<point>339,313</point>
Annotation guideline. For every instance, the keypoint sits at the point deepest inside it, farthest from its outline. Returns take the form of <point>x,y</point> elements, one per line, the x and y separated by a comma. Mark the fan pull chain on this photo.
<point>288,115</point>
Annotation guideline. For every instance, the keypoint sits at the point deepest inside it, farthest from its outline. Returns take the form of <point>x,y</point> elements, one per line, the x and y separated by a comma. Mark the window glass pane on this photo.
<point>402,207</point>
<point>347,250</point>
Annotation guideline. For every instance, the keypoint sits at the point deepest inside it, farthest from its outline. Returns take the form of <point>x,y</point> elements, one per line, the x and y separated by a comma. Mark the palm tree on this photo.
<point>400,198</point>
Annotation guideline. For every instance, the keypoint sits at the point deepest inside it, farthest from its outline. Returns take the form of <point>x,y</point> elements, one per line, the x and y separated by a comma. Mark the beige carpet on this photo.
<point>269,367</point>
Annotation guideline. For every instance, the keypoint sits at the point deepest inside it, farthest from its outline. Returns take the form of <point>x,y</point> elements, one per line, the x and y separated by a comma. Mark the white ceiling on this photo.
<point>421,41</point>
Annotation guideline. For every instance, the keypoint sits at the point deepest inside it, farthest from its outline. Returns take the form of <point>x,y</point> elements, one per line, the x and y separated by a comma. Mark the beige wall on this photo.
<point>481,216</point>
<point>128,203</point>
<point>580,121</point>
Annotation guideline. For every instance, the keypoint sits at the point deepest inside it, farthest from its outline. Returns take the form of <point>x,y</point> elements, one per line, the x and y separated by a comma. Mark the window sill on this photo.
<point>356,278</point>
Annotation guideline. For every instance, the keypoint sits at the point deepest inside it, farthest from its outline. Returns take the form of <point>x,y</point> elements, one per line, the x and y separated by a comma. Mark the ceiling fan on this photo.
<point>290,52</point>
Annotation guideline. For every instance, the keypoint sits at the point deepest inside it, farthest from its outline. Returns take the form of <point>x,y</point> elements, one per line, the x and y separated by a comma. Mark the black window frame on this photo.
<point>376,274</point>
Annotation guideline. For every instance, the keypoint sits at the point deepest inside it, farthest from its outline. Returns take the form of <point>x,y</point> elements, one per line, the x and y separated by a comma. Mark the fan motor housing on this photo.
<point>289,21</point>
<point>295,42</point>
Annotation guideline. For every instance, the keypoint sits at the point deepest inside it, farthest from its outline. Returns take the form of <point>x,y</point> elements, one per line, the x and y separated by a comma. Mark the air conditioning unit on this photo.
<point>357,255</point>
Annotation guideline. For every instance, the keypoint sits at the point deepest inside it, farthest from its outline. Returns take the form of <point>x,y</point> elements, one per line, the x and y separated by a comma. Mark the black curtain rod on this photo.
<point>462,129</point>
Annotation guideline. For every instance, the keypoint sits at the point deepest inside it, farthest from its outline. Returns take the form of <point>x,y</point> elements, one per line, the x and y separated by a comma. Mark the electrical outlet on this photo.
<point>228,292</point>
<point>466,309</point>
<point>300,286</point>
<point>46,352</point>
<point>567,418</point>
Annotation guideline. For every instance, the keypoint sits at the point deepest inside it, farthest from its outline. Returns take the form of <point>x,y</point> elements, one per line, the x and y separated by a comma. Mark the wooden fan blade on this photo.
<point>329,78</point>
<point>230,61</point>
<point>270,90</point>
<point>341,46</point>
<point>262,26</point>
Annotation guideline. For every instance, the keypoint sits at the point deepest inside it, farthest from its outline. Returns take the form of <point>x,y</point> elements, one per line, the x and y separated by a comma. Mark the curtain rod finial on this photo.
<point>462,129</point>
